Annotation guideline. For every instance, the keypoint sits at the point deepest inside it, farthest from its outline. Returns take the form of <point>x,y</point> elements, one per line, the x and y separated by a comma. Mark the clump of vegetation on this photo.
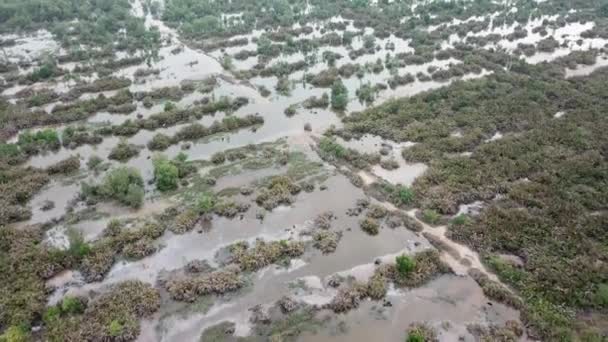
<point>218,282</point>
<point>421,333</point>
<point>405,265</point>
<point>66,166</point>
<point>230,209</point>
<point>72,137</point>
<point>43,140</point>
<point>291,110</point>
<point>117,240</point>
<point>123,184</point>
<point>431,216</point>
<point>123,151</point>
<point>389,164</point>
<point>370,226</point>
<point>510,331</point>
<point>264,253</point>
<point>423,267</point>
<point>166,175</point>
<point>331,151</point>
<point>495,290</point>
<point>326,241</point>
<point>279,191</point>
<point>160,142</point>
<point>218,158</point>
<point>206,202</point>
<point>316,102</point>
<point>426,266</point>
<point>184,221</point>
<point>339,96</point>
<point>94,162</point>
<point>25,264</point>
<point>376,211</point>
<point>114,314</point>
<point>17,186</point>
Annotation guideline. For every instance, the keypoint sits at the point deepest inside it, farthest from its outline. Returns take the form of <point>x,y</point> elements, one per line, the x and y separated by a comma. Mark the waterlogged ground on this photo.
<point>450,303</point>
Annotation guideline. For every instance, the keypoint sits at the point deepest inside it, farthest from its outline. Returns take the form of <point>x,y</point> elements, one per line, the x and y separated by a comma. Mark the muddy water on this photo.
<point>448,303</point>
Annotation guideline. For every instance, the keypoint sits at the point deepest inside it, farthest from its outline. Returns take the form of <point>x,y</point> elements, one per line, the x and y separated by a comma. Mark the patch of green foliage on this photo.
<point>339,96</point>
<point>166,175</point>
<point>123,184</point>
<point>405,265</point>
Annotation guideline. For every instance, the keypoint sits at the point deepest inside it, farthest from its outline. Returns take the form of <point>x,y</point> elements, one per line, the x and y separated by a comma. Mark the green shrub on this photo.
<point>123,151</point>
<point>431,216</point>
<point>218,158</point>
<point>46,139</point>
<point>78,247</point>
<point>370,226</point>
<point>10,153</point>
<point>115,328</point>
<point>159,142</point>
<point>460,220</point>
<point>331,147</point>
<point>166,175</point>
<point>94,162</point>
<point>15,334</point>
<point>405,264</point>
<point>206,203</point>
<point>415,336</point>
<point>339,96</point>
<point>601,295</point>
<point>169,106</point>
<point>72,305</point>
<point>135,196</point>
<point>125,185</point>
<point>51,314</point>
<point>405,194</point>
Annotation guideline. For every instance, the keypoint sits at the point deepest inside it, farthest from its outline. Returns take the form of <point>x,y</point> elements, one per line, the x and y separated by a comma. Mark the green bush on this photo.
<point>123,151</point>
<point>405,194</point>
<point>46,139</point>
<point>115,328</point>
<point>15,334</point>
<point>51,314</point>
<point>72,305</point>
<point>78,247</point>
<point>415,336</point>
<point>601,295</point>
<point>135,196</point>
<point>166,175</point>
<point>206,203</point>
<point>339,96</point>
<point>125,185</point>
<point>460,220</point>
<point>169,106</point>
<point>94,162</point>
<point>331,147</point>
<point>405,264</point>
<point>370,226</point>
<point>11,154</point>
<point>431,216</point>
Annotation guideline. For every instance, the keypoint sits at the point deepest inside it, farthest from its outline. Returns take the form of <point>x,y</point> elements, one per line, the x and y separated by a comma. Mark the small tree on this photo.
<point>124,184</point>
<point>339,96</point>
<point>405,264</point>
<point>166,175</point>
